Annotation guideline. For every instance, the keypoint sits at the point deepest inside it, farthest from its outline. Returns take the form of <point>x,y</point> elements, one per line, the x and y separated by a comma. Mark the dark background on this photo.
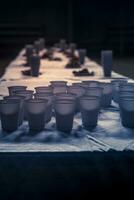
<point>93,24</point>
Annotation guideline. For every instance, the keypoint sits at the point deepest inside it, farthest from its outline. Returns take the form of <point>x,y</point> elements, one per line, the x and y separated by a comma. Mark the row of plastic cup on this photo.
<point>87,97</point>
<point>39,112</point>
<point>90,88</point>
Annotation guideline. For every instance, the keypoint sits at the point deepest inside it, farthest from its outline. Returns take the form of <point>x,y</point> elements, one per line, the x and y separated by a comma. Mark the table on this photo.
<point>108,135</point>
<point>50,164</point>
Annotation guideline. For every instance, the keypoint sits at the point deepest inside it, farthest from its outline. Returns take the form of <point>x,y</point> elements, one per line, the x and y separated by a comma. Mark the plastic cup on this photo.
<point>90,83</point>
<point>42,43</point>
<point>82,55</point>
<point>116,87</point>
<point>89,107</point>
<point>64,113</point>
<point>35,65</point>
<point>28,94</point>
<point>106,94</point>
<point>79,92</point>
<point>77,84</point>
<point>13,89</point>
<point>128,87</point>
<point>94,91</point>
<point>72,47</point>
<point>21,99</point>
<point>65,96</point>
<point>126,94</point>
<point>59,89</point>
<point>44,89</point>
<point>29,51</point>
<point>127,111</point>
<point>58,83</point>
<point>62,45</point>
<point>37,46</point>
<point>36,111</point>
<point>107,62</point>
<point>9,112</point>
<point>50,100</point>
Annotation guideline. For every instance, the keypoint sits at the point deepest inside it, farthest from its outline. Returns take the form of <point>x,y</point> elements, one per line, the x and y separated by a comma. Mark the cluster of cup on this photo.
<point>57,99</point>
<point>71,49</point>
<point>123,94</point>
<point>32,55</point>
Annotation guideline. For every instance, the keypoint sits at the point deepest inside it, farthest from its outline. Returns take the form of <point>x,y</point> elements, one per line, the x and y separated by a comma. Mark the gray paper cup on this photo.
<point>44,89</point>
<point>128,87</point>
<point>37,46</point>
<point>127,111</point>
<point>9,112</point>
<point>21,99</point>
<point>42,43</point>
<point>94,91</point>
<point>107,94</point>
<point>78,91</point>
<point>27,94</point>
<point>91,83</point>
<point>36,111</point>
<point>50,100</point>
<point>13,89</point>
<point>107,62</point>
<point>59,89</point>
<point>29,49</point>
<point>64,113</point>
<point>82,55</point>
<point>89,107</point>
<point>65,96</point>
<point>116,87</point>
<point>58,83</point>
<point>35,65</point>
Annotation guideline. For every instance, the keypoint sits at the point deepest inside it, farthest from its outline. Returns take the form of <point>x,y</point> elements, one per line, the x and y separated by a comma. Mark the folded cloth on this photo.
<point>73,63</point>
<point>28,72</point>
<point>83,72</point>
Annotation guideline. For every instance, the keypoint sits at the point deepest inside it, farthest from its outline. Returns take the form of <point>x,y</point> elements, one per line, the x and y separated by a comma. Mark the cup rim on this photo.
<point>52,82</point>
<point>17,86</point>
<point>40,94</point>
<point>9,101</point>
<point>36,101</point>
<point>64,101</point>
<point>14,97</point>
<point>88,97</point>
<point>92,88</point>
<point>127,98</point>
<point>42,87</point>
<point>25,91</point>
<point>66,94</point>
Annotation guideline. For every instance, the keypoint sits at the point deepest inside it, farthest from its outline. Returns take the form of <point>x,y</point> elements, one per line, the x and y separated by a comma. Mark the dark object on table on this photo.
<point>73,63</point>
<point>28,72</point>
<point>55,59</point>
<point>24,55</point>
<point>83,72</point>
<point>25,64</point>
<point>48,54</point>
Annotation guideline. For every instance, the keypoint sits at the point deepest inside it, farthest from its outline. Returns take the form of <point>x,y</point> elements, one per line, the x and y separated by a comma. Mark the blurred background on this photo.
<point>93,24</point>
